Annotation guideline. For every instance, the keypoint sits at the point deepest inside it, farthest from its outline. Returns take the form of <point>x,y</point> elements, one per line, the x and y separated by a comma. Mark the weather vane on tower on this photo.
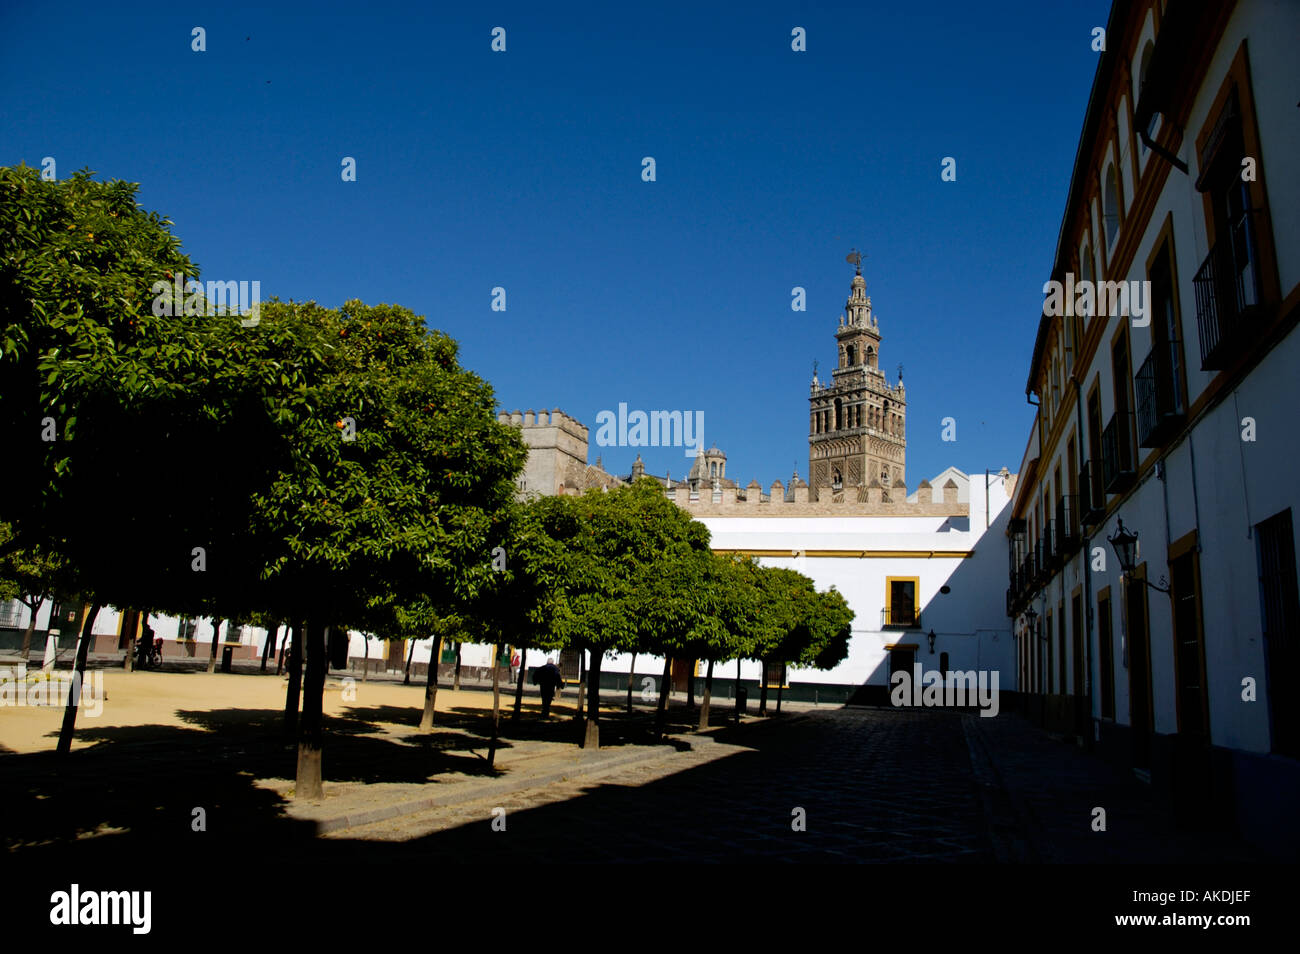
<point>855,258</point>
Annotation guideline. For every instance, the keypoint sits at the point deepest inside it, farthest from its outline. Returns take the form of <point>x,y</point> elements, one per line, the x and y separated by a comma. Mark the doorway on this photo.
<point>1139,673</point>
<point>902,659</point>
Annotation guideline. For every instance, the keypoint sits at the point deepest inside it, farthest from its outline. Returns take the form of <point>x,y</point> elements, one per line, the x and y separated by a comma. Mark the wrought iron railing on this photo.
<point>1067,525</point>
<point>1117,453</point>
<point>900,616</point>
<point>1227,293</point>
<point>1159,396</point>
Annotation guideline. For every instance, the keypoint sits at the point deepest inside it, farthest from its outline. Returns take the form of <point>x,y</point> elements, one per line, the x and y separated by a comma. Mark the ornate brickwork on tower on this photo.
<point>857,432</point>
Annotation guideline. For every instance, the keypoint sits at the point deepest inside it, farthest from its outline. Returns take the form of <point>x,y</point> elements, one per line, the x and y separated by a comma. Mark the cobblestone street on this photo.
<point>912,786</point>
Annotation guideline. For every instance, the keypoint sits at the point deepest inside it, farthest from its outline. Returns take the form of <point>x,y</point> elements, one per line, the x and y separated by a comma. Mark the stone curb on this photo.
<point>471,793</point>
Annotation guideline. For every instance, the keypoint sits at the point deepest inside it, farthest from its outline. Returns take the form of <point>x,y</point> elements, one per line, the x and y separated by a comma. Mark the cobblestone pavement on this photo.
<point>868,785</point>
<point>916,786</point>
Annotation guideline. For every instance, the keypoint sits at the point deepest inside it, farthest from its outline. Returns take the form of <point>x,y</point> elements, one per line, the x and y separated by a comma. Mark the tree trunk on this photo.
<point>31,627</point>
<point>780,687</point>
<point>78,676</point>
<point>365,657</point>
<point>308,784</point>
<point>690,687</point>
<point>591,737</point>
<point>663,696</point>
<point>456,681</point>
<point>216,638</point>
<point>130,622</point>
<point>708,697</point>
<point>582,688</point>
<point>737,690</point>
<point>519,683</point>
<point>631,680</point>
<point>762,687</point>
<point>279,656</point>
<point>496,703</point>
<point>431,687</point>
<point>268,643</point>
<point>406,680</point>
<point>295,679</point>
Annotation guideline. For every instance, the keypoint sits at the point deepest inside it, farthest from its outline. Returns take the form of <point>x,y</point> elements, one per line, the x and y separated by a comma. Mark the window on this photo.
<point>1095,447</point>
<point>1106,657</point>
<point>1118,453</point>
<point>1159,382</point>
<point>1068,330</point>
<point>850,355</point>
<point>1061,636</point>
<point>1189,655</point>
<point>1228,282</point>
<point>900,601</point>
<point>1280,615</point>
<point>1110,206</point>
<point>1154,124</point>
<point>839,415</point>
<point>1049,672</point>
<point>11,614</point>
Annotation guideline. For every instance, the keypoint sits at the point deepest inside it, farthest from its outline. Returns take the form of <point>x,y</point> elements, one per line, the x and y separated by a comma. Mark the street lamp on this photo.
<point>1031,617</point>
<point>1124,543</point>
<point>930,637</point>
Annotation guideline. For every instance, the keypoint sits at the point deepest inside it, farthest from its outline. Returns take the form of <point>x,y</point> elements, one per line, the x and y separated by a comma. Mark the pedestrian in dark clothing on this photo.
<point>144,646</point>
<point>548,680</point>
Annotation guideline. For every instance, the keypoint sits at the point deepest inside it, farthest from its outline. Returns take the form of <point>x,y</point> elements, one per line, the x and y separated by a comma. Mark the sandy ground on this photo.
<point>177,698</point>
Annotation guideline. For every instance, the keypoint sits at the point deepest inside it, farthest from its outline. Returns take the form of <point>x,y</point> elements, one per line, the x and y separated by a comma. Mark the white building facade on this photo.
<point>1174,418</point>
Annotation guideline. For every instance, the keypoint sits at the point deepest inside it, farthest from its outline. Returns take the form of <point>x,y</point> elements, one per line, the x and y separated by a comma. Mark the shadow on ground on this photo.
<point>140,785</point>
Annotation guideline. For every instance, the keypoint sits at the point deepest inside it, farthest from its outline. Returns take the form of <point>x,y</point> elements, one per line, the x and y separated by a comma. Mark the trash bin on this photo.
<point>227,655</point>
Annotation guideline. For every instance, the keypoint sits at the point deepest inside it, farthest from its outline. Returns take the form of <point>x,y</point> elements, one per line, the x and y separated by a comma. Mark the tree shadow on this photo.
<point>144,782</point>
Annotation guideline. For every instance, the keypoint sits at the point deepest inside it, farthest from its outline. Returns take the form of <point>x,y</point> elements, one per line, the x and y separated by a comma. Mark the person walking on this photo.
<point>548,680</point>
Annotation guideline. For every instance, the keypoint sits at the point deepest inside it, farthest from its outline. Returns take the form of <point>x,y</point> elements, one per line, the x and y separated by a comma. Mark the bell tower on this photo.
<point>857,435</point>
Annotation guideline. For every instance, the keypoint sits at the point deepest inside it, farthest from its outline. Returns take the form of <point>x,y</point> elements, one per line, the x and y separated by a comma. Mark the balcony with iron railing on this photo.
<point>1159,395</point>
<point>1067,526</point>
<point>1092,502</point>
<point>900,617</point>
<point>1040,568</point>
<point>1118,470</point>
<point>1227,294</point>
<point>1051,551</point>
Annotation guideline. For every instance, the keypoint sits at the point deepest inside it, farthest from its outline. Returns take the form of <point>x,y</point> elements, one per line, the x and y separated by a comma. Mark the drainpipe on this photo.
<point>1161,151</point>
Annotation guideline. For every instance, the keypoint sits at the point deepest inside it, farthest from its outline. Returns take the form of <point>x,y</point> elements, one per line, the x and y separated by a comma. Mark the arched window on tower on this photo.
<point>871,356</point>
<point>851,353</point>
<point>837,482</point>
<point>839,414</point>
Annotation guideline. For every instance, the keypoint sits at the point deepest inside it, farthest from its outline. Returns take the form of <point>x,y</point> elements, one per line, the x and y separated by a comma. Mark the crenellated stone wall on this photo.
<point>873,501</point>
<point>557,451</point>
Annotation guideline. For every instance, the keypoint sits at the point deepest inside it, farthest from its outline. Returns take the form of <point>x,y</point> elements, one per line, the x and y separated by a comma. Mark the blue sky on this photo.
<point>522,170</point>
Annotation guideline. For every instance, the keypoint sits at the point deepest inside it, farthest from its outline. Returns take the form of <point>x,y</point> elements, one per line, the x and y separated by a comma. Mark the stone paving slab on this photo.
<point>347,807</point>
